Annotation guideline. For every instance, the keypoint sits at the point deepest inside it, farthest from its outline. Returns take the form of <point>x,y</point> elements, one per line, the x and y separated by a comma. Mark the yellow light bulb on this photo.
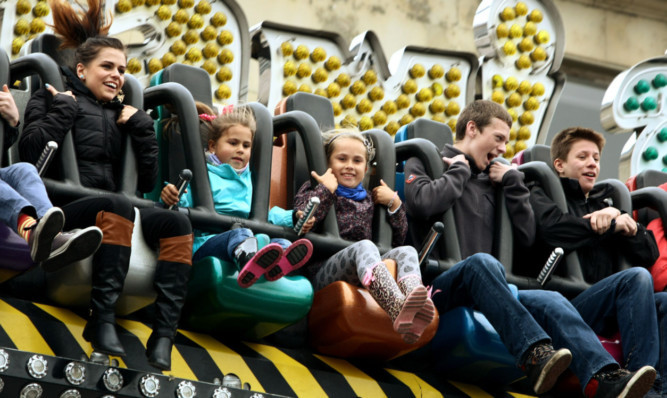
<point>402,101</point>
<point>301,52</point>
<point>507,14</point>
<point>410,87</point>
<point>224,74</point>
<point>286,49</point>
<point>418,109</point>
<point>453,108</point>
<point>226,56</point>
<point>218,19</point>
<point>436,71</point>
<point>225,37</point>
<point>318,55</point>
<point>392,127</point>
<point>452,91</point>
<point>209,66</point>
<point>343,79</point>
<point>369,78</point>
<point>453,74</point>
<point>376,93</point>
<point>390,107</point>
<point>333,90</point>
<point>223,92</point>
<point>417,71</point>
<point>497,97</point>
<point>425,94</point>
<point>333,63</point>
<point>303,70</point>
<point>289,88</point>
<point>358,88</point>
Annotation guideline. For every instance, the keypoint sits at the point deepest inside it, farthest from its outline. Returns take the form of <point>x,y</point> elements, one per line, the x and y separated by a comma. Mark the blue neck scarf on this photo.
<point>357,194</point>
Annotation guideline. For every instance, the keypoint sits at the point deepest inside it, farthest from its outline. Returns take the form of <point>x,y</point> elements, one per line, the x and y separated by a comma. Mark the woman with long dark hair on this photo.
<point>92,108</point>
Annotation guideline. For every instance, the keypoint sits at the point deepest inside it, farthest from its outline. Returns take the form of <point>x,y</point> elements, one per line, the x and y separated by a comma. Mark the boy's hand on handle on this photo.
<point>383,195</point>
<point>601,219</point>
<point>8,109</point>
<point>308,225</point>
<point>126,114</point>
<point>328,179</point>
<point>169,195</point>
<point>457,158</point>
<point>55,92</point>
<point>625,225</point>
<point>497,171</point>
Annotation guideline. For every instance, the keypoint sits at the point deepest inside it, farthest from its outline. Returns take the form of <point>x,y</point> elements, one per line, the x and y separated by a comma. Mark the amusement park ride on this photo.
<point>281,338</point>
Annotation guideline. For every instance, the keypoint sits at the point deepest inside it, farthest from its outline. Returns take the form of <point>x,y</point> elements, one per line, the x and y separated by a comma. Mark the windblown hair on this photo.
<point>83,31</point>
<point>75,27</point>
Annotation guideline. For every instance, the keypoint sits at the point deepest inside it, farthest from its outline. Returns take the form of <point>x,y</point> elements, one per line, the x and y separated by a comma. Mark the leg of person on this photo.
<point>25,180</point>
<point>418,310</point>
<point>295,255</point>
<point>661,309</point>
<point>114,215</point>
<point>171,231</point>
<point>598,373</point>
<point>479,281</point>
<point>20,214</point>
<point>253,262</point>
<point>624,300</point>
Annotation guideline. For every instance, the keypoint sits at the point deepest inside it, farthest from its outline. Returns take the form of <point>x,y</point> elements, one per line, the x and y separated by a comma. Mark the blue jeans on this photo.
<point>479,281</point>
<point>561,320</point>
<point>222,245</point>
<point>661,308</point>
<point>625,302</point>
<point>21,190</point>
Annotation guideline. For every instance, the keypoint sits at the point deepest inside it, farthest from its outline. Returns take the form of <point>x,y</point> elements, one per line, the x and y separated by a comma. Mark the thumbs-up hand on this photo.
<point>328,179</point>
<point>383,195</point>
<point>8,109</point>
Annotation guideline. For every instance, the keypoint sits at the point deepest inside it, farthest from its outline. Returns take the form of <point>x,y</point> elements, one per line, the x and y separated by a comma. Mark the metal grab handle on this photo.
<point>46,157</point>
<point>550,266</point>
<point>429,243</point>
<point>307,213</point>
<point>183,178</point>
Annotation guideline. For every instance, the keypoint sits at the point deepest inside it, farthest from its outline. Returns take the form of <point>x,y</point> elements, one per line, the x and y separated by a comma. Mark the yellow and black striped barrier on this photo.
<point>271,371</point>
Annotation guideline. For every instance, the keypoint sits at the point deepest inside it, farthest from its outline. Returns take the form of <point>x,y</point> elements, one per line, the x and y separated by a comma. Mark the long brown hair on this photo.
<point>84,31</point>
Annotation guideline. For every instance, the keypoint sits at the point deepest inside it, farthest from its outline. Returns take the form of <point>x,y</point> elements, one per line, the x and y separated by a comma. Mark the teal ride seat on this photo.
<point>216,303</point>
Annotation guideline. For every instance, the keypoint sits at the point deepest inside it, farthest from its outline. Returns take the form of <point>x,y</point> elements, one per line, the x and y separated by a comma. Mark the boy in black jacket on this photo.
<point>601,234</point>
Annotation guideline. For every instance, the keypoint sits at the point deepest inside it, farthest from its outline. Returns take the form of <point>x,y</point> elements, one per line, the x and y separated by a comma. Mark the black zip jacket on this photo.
<point>98,140</point>
<point>598,254</point>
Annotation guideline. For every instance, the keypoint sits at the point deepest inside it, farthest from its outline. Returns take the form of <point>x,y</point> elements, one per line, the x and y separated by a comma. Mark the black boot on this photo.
<point>171,283</point>
<point>110,265</point>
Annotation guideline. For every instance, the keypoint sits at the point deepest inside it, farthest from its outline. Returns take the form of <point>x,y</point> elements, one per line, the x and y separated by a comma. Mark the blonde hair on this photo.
<point>330,137</point>
<point>242,116</point>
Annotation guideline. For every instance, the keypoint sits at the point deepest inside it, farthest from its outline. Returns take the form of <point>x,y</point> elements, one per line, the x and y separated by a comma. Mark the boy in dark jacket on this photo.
<point>530,326</point>
<point>602,235</point>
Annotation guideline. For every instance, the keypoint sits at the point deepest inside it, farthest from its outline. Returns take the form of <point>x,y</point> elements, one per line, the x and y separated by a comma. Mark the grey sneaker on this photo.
<point>72,246</point>
<point>543,366</point>
<point>44,232</point>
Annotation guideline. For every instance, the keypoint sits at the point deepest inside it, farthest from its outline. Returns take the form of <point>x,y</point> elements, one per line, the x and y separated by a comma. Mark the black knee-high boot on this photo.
<point>171,282</point>
<point>110,266</point>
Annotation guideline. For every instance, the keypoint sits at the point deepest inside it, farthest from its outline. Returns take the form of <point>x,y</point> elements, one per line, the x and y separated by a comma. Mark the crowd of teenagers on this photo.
<point>544,331</point>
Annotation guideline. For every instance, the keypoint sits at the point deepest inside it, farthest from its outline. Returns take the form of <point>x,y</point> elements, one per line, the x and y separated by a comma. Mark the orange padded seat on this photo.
<point>345,321</point>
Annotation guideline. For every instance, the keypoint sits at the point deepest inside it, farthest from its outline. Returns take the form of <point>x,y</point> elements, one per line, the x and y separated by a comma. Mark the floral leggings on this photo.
<point>352,263</point>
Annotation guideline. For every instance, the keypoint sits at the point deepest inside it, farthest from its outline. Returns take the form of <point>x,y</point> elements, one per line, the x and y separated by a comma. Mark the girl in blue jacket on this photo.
<point>230,138</point>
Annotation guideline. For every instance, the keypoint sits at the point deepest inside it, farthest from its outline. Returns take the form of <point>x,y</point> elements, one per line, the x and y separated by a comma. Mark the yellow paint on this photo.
<point>517,395</point>
<point>362,384</point>
<point>419,387</point>
<point>22,331</point>
<point>297,376</point>
<point>179,368</point>
<point>227,360</point>
<point>75,325</point>
<point>471,391</point>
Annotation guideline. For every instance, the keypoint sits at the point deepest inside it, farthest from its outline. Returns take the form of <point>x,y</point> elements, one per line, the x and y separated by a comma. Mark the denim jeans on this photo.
<point>661,308</point>
<point>21,189</point>
<point>222,245</point>
<point>561,320</point>
<point>625,302</point>
<point>479,282</point>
